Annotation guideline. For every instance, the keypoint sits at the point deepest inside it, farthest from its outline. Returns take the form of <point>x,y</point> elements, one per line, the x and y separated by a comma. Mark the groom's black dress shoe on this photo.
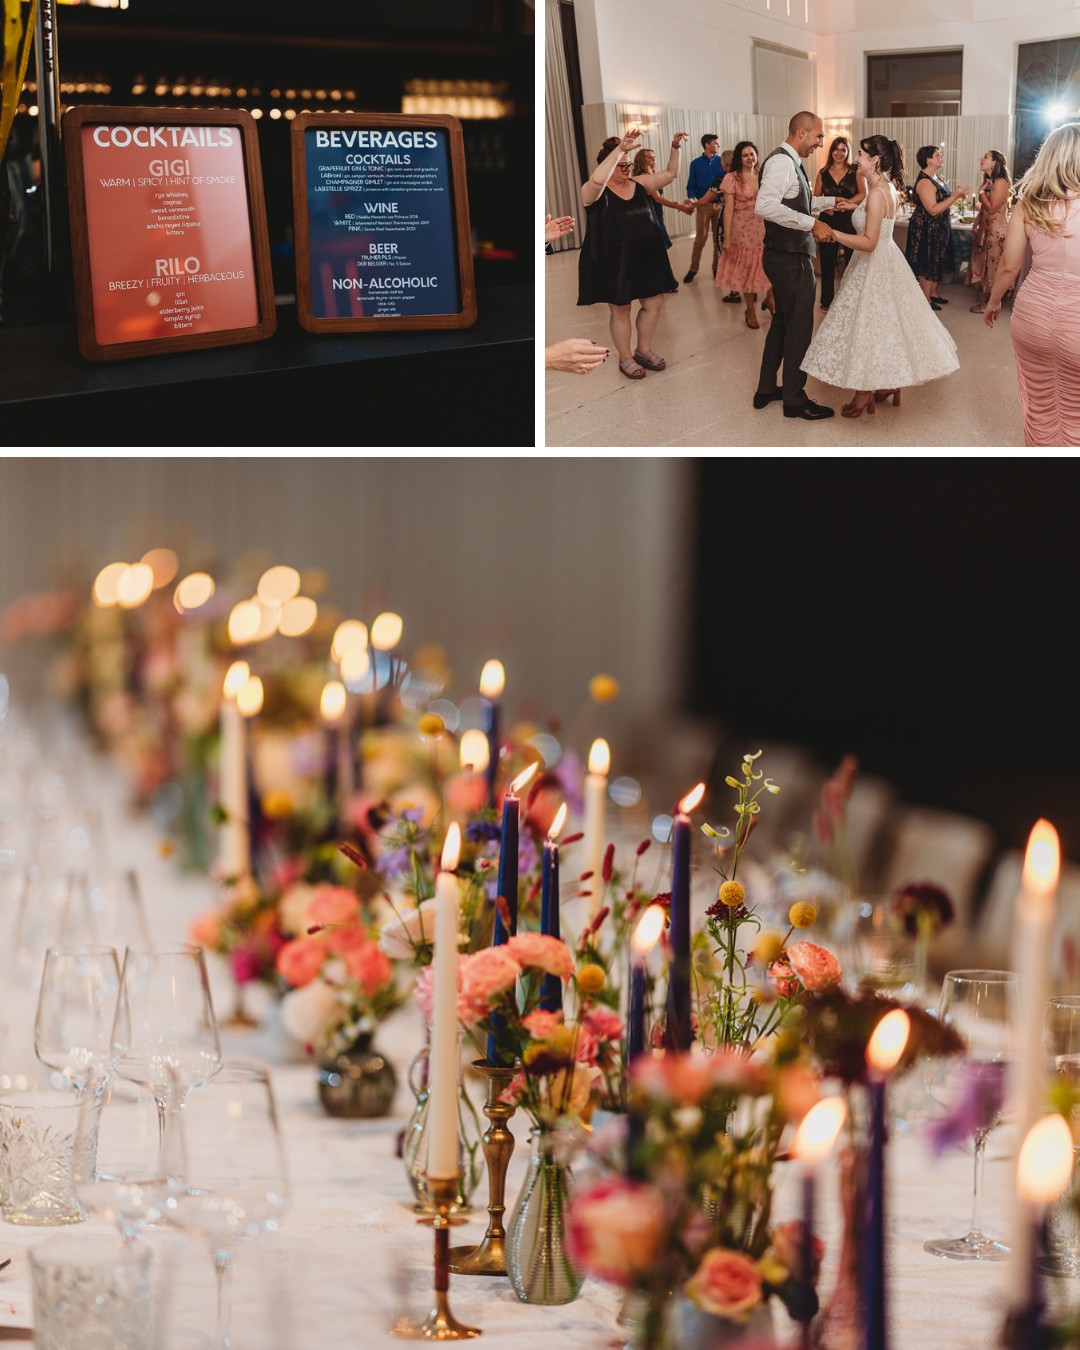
<point>763,400</point>
<point>811,411</point>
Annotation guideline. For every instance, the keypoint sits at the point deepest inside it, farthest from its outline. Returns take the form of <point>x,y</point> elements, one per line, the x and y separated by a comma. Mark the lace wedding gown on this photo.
<point>879,332</point>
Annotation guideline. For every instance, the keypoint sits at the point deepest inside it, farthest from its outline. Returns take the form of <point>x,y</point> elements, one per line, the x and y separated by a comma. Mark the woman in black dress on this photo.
<point>929,238</point>
<point>623,258</point>
<point>837,178</point>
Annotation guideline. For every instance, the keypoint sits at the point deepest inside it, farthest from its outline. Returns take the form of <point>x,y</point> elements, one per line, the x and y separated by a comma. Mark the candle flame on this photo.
<point>386,631</point>
<point>599,757</point>
<point>250,698</point>
<point>692,798</point>
<point>524,777</point>
<point>451,849</point>
<point>1045,1162</point>
<point>648,930</point>
<point>235,678</point>
<point>1042,862</point>
<point>816,1135</point>
<point>332,701</point>
<point>888,1041</point>
<point>557,824</point>
<point>492,679</point>
<point>474,751</point>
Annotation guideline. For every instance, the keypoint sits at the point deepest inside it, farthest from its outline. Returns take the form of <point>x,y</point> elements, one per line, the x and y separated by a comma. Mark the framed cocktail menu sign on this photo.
<point>381,223</point>
<point>168,229</point>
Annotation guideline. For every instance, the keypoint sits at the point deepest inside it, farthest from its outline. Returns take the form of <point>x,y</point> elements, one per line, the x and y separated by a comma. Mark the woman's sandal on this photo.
<point>650,360</point>
<point>883,396</point>
<point>631,369</point>
<point>979,309</point>
<point>854,409</point>
<point>751,321</point>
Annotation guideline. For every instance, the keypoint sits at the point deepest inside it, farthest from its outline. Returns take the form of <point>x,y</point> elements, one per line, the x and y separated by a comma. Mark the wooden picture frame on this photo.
<point>170,249</point>
<point>381,223</point>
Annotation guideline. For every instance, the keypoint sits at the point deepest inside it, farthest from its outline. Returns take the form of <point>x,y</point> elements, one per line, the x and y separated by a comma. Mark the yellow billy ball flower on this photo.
<point>431,725</point>
<point>768,946</point>
<point>276,804</point>
<point>591,978</point>
<point>731,894</point>
<point>603,688</point>
<point>802,914</point>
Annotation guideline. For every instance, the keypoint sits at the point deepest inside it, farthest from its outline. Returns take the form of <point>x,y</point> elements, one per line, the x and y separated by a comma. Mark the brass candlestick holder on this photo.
<point>441,1324</point>
<point>498,1144</point>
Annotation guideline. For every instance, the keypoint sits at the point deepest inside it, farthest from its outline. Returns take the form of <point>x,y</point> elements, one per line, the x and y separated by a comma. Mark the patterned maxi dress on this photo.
<point>988,247</point>
<point>740,266</point>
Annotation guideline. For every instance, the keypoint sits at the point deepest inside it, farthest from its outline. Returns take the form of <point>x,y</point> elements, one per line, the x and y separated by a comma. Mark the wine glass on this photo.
<point>165,1034</point>
<point>981,1006</point>
<point>226,1168</point>
<point>75,1010</point>
<point>118,1168</point>
<point>1061,1045</point>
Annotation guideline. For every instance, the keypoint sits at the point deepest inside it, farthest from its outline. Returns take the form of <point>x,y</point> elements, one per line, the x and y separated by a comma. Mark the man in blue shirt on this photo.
<point>704,172</point>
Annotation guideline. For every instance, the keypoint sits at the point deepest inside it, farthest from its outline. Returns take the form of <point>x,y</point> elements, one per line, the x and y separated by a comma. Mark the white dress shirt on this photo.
<point>779,179</point>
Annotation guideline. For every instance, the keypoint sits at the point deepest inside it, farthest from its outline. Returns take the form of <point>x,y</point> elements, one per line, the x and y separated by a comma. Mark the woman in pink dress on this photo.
<point>990,225</point>
<point>740,266</point>
<point>1046,312</point>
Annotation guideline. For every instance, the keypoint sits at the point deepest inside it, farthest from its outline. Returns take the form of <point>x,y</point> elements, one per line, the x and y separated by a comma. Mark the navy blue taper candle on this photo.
<point>551,990</point>
<point>508,889</point>
<point>678,1031</point>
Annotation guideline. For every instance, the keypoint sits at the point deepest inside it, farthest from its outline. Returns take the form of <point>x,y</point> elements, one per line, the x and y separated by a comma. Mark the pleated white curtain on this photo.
<point>561,186</point>
<point>965,141</point>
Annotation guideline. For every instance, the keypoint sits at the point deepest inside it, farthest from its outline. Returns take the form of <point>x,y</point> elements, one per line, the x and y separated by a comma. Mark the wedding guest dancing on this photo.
<point>705,173</point>
<point>929,240</point>
<point>645,162</point>
<point>838,176</point>
<point>740,266</point>
<point>879,336</point>
<point>1046,312</point>
<point>623,258</point>
<point>990,224</point>
<point>785,203</point>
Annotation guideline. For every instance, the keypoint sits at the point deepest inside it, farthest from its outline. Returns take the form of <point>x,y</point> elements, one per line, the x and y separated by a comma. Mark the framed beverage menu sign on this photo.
<point>168,228</point>
<point>381,223</point>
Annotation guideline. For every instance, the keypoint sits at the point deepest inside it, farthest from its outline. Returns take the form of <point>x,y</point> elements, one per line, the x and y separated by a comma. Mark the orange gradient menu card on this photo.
<point>169,231</point>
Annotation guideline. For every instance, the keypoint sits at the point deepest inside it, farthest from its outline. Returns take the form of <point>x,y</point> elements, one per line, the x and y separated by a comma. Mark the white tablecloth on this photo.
<point>350,1255</point>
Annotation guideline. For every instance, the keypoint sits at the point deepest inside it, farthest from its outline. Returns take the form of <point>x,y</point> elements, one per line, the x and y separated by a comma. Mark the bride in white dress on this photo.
<point>880,335</point>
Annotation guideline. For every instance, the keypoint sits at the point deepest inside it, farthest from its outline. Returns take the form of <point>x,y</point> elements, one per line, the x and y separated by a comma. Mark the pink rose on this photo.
<point>466,792</point>
<point>814,965</point>
<point>733,1068</point>
<point>548,953</point>
<point>301,960</point>
<point>615,1230</point>
<point>370,967</point>
<point>604,1023</point>
<point>482,977</point>
<point>684,1079</point>
<point>542,1025</point>
<point>333,904</point>
<point>727,1284</point>
<point>787,1244</point>
<point>783,978</point>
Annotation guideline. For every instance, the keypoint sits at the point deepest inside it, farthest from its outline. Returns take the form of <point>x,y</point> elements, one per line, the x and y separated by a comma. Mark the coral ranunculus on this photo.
<point>547,953</point>
<point>615,1230</point>
<point>300,961</point>
<point>727,1284</point>
<point>333,904</point>
<point>483,976</point>
<point>815,966</point>
<point>370,967</point>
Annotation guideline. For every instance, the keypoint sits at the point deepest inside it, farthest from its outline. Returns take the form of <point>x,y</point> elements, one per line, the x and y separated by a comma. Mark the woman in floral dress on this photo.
<point>989,228</point>
<point>740,266</point>
<point>929,240</point>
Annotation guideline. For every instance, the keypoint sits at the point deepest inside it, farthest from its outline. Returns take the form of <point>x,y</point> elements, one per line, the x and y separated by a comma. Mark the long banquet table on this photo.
<point>350,1258</point>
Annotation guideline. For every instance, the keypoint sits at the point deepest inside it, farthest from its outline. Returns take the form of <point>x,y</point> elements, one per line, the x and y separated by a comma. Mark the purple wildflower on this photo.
<point>977,1107</point>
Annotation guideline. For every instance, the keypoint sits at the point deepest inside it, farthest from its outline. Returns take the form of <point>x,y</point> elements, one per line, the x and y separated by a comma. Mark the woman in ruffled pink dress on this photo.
<point>740,266</point>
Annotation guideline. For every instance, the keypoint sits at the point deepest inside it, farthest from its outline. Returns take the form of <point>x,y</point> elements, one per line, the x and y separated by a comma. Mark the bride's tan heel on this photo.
<point>883,396</point>
<point>854,408</point>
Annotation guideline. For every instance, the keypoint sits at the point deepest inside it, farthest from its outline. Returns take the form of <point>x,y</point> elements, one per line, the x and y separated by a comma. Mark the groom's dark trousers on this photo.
<point>794,290</point>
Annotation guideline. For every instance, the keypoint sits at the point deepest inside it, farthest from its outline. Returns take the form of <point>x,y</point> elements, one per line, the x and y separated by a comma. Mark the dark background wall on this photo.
<point>920,613</point>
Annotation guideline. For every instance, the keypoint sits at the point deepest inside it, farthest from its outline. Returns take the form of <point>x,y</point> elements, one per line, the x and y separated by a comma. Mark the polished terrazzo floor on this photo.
<point>703,399</point>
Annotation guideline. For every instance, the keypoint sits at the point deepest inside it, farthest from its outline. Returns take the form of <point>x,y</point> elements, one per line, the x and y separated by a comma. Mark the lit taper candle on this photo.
<point>551,990</point>
<point>508,877</point>
<point>811,1145</point>
<point>443,1161</point>
<point>882,1056</point>
<point>492,684</point>
<point>234,855</point>
<point>1044,1169</point>
<point>596,781</point>
<point>679,1030</point>
<point>646,935</point>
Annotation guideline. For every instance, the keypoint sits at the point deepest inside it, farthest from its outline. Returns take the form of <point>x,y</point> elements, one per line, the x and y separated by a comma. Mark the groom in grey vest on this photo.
<point>787,206</point>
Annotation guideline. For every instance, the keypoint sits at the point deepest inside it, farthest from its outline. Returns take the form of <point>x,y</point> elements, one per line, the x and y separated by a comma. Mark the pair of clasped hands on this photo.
<point>823,233</point>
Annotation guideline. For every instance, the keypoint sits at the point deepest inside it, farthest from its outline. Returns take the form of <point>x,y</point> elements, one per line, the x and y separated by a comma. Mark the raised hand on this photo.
<point>632,139</point>
<point>678,139</point>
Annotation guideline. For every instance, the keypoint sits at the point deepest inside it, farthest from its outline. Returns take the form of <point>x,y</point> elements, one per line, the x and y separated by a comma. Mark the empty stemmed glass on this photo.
<point>226,1168</point>
<point>165,1034</point>
<point>75,1010</point>
<point>1061,1046</point>
<point>118,1167</point>
<point>981,1006</point>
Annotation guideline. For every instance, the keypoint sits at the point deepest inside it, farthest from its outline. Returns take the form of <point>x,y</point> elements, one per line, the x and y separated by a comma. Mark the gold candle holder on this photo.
<point>441,1324</point>
<point>489,1258</point>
